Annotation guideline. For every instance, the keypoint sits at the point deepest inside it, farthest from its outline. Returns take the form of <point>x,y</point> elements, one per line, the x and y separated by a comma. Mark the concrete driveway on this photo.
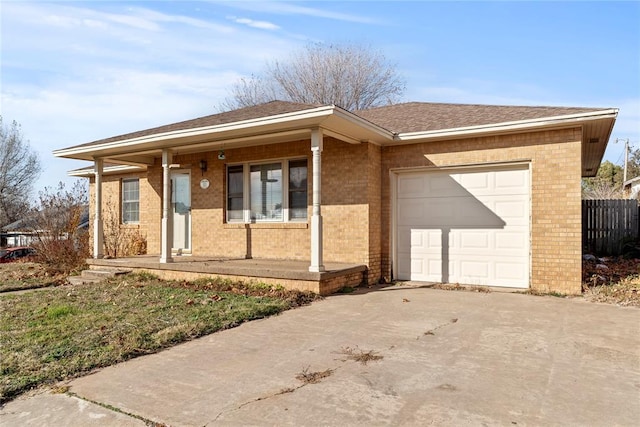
<point>446,358</point>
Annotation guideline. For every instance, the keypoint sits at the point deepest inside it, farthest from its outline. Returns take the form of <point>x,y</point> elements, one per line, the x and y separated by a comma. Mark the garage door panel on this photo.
<point>480,239</point>
<point>411,186</point>
<point>515,180</point>
<point>512,240</point>
<point>477,270</point>
<point>511,270</point>
<point>485,215</point>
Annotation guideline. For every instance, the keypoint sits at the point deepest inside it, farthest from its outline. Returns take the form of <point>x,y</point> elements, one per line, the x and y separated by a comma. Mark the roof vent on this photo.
<point>590,170</point>
<point>594,140</point>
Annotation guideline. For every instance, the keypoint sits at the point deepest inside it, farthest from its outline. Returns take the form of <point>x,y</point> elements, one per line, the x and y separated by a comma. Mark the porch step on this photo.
<point>104,273</point>
<point>95,276</point>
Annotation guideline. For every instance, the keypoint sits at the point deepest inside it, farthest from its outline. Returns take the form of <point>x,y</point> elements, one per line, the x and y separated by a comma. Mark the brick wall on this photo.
<point>356,201</point>
<point>112,206</point>
<point>555,158</point>
<point>346,194</point>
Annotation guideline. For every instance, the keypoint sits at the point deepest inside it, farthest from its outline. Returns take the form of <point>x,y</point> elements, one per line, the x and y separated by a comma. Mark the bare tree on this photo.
<point>19,169</point>
<point>351,76</point>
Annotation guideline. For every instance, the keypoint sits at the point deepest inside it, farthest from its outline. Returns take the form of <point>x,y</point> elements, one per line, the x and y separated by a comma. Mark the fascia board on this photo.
<point>84,173</point>
<point>513,126</point>
<point>319,113</point>
<point>364,124</point>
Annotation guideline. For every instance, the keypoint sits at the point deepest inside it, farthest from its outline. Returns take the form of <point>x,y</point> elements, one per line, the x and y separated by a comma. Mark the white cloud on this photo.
<point>263,25</point>
<point>290,8</point>
<point>74,74</point>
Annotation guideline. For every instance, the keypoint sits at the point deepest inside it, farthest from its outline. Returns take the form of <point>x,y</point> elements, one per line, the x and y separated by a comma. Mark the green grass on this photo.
<point>67,331</point>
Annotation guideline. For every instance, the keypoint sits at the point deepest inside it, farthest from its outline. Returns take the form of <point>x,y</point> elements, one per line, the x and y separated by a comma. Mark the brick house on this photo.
<point>471,194</point>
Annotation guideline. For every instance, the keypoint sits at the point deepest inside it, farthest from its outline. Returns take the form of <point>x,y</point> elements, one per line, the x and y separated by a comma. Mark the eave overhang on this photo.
<point>138,153</point>
<point>334,121</point>
<point>596,131</point>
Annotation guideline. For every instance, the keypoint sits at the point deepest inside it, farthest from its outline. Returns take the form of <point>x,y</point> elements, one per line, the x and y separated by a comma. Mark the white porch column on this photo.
<point>316,217</point>
<point>166,232</point>
<point>98,229</point>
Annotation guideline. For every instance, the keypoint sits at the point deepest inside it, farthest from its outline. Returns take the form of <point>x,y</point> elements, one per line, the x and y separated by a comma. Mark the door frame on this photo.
<point>182,251</point>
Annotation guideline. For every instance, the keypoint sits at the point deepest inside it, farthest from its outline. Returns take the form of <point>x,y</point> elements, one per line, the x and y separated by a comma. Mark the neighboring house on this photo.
<point>632,187</point>
<point>24,232</point>
<point>471,194</point>
<point>18,233</point>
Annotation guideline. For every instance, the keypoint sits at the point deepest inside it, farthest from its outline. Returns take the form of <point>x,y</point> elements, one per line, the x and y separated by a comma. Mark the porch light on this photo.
<point>221,155</point>
<point>203,166</point>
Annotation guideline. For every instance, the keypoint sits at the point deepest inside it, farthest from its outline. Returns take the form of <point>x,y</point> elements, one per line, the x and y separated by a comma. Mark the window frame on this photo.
<point>124,202</point>
<point>246,193</point>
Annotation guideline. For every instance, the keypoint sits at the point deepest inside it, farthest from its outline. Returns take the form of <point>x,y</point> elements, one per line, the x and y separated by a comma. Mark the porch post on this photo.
<point>316,217</point>
<point>98,229</point>
<point>166,232</point>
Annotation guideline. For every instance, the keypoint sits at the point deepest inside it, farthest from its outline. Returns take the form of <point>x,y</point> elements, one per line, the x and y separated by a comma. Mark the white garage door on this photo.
<point>468,226</point>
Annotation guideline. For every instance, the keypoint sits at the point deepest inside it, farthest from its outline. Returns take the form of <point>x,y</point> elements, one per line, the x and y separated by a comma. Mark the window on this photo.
<point>298,189</point>
<point>235,193</point>
<point>130,201</point>
<point>268,192</point>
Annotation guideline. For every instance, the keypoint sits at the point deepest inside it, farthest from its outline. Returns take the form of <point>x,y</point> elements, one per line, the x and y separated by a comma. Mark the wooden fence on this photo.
<point>608,224</point>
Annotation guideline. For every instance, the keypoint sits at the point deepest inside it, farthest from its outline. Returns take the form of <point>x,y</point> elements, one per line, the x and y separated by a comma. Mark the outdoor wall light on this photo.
<point>221,155</point>
<point>203,166</point>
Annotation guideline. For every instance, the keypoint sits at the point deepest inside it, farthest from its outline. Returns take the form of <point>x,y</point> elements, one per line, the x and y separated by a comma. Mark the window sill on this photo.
<point>130,225</point>
<point>272,225</point>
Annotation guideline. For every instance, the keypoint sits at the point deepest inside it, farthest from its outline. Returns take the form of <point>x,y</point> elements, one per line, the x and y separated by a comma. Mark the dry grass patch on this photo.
<point>67,331</point>
<point>626,292</point>
<point>360,356</point>
<point>612,281</point>
<point>313,377</point>
<point>17,276</point>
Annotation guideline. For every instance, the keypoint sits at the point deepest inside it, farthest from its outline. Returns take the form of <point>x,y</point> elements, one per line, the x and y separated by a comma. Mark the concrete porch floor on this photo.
<point>290,274</point>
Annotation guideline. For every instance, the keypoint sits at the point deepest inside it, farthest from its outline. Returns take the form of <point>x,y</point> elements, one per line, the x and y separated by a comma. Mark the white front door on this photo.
<point>181,205</point>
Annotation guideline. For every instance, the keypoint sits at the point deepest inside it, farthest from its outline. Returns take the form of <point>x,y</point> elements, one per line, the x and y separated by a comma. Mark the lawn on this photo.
<point>26,275</point>
<point>67,331</point>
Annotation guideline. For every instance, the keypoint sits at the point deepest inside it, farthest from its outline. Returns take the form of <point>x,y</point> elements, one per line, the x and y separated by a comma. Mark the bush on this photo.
<point>59,223</point>
<point>121,240</point>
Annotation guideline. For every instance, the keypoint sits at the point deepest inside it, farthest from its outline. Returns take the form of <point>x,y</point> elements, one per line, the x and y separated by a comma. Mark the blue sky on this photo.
<point>73,72</point>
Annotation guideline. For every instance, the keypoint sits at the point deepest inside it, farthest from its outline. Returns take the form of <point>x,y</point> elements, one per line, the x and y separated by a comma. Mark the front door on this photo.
<point>181,205</point>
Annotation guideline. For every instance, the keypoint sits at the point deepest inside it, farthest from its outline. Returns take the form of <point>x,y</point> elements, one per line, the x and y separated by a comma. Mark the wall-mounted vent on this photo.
<point>594,140</point>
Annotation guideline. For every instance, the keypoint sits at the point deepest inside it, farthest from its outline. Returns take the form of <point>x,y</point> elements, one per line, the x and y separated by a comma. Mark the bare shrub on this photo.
<point>121,240</point>
<point>60,225</point>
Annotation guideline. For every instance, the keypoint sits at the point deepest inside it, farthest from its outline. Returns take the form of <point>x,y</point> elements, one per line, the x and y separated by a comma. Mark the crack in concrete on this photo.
<point>118,410</point>
<point>269,396</point>
<point>432,331</point>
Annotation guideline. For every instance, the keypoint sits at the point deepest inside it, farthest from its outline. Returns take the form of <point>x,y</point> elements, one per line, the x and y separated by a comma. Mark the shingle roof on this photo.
<point>427,116</point>
<point>397,118</point>
<point>263,110</point>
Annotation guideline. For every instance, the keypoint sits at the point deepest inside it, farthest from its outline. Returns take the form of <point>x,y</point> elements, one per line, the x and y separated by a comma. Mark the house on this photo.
<point>470,194</point>
<point>18,233</point>
<point>25,231</point>
<point>631,187</point>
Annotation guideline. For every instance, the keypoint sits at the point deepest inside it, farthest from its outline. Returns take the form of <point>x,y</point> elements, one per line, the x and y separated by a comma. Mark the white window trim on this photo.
<point>122,201</point>
<point>246,191</point>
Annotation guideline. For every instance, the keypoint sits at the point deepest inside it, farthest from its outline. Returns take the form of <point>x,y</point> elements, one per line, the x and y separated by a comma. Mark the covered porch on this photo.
<point>288,273</point>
